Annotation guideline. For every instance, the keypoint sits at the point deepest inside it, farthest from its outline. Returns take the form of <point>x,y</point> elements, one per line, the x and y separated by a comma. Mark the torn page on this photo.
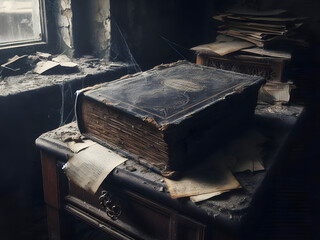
<point>91,166</point>
<point>208,178</point>
<point>222,48</point>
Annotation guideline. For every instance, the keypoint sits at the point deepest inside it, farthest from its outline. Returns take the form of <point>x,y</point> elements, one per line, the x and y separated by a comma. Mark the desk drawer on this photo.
<point>127,215</point>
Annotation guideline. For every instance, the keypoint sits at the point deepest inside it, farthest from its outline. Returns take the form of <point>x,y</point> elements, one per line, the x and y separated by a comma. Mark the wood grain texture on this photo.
<point>50,180</point>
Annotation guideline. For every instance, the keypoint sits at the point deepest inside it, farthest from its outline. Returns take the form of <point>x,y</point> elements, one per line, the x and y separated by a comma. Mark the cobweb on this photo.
<point>119,52</point>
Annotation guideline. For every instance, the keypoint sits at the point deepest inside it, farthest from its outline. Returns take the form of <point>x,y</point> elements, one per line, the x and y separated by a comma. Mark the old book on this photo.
<point>169,117</point>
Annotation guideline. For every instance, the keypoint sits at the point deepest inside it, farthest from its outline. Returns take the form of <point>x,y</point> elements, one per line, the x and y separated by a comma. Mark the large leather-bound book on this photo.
<point>170,116</point>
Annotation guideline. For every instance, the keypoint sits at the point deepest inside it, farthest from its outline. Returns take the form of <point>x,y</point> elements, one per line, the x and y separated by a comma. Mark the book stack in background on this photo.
<point>265,29</point>
<point>257,43</point>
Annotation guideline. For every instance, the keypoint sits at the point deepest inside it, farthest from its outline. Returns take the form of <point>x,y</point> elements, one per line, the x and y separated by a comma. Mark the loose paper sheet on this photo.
<point>222,48</point>
<point>44,66</point>
<point>208,178</point>
<point>79,146</point>
<point>269,53</point>
<point>91,166</point>
<point>202,197</point>
<point>279,91</point>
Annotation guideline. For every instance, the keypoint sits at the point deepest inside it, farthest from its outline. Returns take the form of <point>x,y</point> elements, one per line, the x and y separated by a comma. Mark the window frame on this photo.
<point>28,43</point>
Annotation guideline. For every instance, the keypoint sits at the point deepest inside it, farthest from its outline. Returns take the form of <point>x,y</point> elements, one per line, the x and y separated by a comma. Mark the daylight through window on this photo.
<point>21,22</point>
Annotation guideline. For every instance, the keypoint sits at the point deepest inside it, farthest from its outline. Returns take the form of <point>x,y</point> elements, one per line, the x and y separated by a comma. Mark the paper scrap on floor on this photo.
<point>89,167</point>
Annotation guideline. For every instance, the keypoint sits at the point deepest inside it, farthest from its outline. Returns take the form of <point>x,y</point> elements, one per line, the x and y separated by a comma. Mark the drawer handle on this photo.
<point>110,205</point>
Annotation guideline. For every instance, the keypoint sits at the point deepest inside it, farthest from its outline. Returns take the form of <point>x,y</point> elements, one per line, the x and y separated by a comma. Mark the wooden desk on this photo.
<point>138,204</point>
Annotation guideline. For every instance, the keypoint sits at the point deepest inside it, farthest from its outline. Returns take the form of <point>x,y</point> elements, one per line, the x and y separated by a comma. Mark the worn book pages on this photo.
<point>208,178</point>
<point>222,48</point>
<point>235,34</point>
<point>273,92</point>
<point>269,53</point>
<point>91,166</point>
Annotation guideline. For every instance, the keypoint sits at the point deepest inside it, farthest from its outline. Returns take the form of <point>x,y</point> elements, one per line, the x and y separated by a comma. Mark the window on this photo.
<point>22,23</point>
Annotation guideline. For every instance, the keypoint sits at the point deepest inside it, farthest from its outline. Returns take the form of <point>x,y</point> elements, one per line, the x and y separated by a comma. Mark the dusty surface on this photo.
<point>232,205</point>
<point>31,81</point>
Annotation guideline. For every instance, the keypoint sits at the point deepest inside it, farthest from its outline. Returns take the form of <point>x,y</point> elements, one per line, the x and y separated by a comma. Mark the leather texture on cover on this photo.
<point>168,95</point>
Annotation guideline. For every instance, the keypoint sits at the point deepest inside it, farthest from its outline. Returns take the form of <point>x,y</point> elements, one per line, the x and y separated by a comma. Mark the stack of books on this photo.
<point>265,29</point>
<point>254,42</point>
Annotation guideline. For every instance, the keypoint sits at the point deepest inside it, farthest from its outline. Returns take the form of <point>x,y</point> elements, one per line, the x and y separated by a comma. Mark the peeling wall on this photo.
<point>84,27</point>
<point>64,22</point>
<point>101,27</point>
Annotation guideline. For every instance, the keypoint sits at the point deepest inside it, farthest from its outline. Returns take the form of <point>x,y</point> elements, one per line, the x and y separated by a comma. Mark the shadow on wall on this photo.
<point>161,31</point>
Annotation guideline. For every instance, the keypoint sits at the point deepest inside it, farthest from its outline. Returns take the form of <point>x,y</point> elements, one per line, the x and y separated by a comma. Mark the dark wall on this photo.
<point>158,31</point>
<point>161,31</point>
<point>24,117</point>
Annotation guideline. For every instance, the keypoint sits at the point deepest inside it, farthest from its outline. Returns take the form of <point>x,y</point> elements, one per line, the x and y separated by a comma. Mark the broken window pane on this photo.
<point>20,20</point>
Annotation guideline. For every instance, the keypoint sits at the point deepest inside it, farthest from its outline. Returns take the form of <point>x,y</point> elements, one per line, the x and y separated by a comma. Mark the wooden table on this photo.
<point>133,202</point>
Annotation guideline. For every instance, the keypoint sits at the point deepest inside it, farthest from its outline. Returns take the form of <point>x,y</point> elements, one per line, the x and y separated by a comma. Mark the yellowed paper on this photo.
<point>79,146</point>
<point>280,92</point>
<point>209,178</point>
<point>203,197</point>
<point>269,53</point>
<point>91,166</point>
<point>44,66</point>
<point>222,48</point>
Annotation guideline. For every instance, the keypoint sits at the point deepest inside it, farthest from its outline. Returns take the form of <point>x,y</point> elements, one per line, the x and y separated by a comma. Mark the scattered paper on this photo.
<point>269,53</point>
<point>42,55</point>
<point>59,65</point>
<point>203,197</point>
<point>273,92</point>
<point>79,146</point>
<point>45,67</point>
<point>222,48</point>
<point>14,63</point>
<point>208,178</point>
<point>91,166</point>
